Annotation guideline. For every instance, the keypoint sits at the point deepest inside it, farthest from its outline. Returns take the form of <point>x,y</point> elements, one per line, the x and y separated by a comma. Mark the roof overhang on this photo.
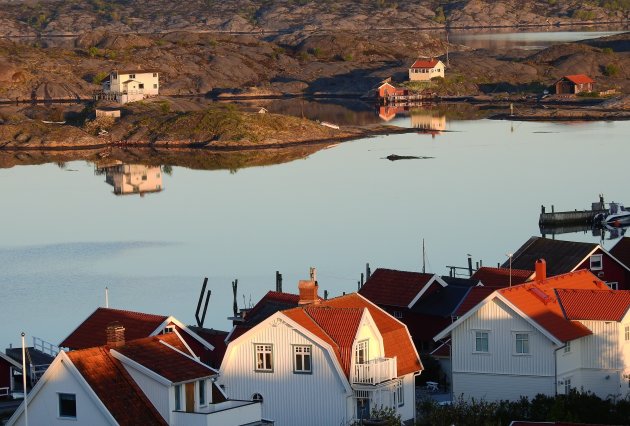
<point>434,278</point>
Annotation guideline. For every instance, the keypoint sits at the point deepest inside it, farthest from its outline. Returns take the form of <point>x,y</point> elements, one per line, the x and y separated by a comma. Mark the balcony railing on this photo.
<point>375,371</point>
<point>228,413</point>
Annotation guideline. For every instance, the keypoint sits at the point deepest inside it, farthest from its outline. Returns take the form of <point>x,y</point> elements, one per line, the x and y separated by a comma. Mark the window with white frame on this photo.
<point>627,333</point>
<point>399,394</point>
<point>481,341</point>
<point>362,352</point>
<point>302,359</point>
<point>131,76</point>
<point>521,343</point>
<point>567,347</point>
<point>567,385</point>
<point>202,392</point>
<point>398,314</point>
<point>67,405</point>
<point>613,285</point>
<point>264,357</point>
<point>178,397</point>
<point>596,262</point>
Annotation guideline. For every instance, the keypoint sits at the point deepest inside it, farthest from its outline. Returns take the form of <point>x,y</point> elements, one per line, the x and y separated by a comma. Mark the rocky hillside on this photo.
<point>73,17</point>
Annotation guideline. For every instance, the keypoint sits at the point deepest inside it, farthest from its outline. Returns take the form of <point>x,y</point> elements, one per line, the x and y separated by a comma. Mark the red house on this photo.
<point>568,256</point>
<point>7,367</point>
<point>574,84</point>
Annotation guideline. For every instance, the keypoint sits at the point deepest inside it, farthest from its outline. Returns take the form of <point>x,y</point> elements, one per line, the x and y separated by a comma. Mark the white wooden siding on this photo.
<point>496,387</point>
<point>157,393</point>
<point>288,398</point>
<point>43,409</point>
<point>603,383</point>
<point>501,322</point>
<point>601,349</point>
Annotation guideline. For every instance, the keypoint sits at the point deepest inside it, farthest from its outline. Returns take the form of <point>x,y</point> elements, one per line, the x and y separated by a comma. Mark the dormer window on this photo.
<point>597,263</point>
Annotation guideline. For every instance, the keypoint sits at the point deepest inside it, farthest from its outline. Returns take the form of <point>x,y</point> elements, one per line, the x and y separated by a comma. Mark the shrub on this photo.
<point>607,50</point>
<point>439,17</point>
<point>99,77</point>
<point>611,70</point>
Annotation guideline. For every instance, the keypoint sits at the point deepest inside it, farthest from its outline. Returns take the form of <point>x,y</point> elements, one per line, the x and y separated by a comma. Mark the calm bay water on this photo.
<point>66,235</point>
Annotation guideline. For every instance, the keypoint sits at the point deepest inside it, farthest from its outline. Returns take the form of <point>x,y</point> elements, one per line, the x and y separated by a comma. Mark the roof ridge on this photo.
<point>129,312</point>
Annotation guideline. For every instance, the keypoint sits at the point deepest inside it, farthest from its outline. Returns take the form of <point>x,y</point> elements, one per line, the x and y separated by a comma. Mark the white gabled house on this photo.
<point>150,381</point>
<point>546,336</point>
<point>425,69</point>
<point>132,85</point>
<point>326,362</point>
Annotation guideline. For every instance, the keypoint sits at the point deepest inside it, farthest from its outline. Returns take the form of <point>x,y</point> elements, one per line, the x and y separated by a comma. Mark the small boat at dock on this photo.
<point>616,215</point>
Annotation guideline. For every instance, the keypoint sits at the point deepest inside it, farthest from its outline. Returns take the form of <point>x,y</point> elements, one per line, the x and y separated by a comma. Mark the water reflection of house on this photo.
<point>132,178</point>
<point>428,120</point>
<point>388,113</point>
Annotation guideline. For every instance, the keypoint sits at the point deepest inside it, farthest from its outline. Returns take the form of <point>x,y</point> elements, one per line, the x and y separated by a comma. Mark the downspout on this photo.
<point>555,369</point>
<point>415,409</point>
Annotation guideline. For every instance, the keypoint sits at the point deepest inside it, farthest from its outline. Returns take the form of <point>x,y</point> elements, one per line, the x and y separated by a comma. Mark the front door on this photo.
<point>190,397</point>
<point>363,408</point>
<point>361,353</point>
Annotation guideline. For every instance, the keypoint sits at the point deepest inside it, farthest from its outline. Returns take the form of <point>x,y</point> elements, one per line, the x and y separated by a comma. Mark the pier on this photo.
<point>570,218</point>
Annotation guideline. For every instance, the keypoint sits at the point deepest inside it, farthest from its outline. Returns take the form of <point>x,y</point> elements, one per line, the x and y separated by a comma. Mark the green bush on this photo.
<point>611,70</point>
<point>583,15</point>
<point>577,407</point>
<point>607,50</point>
<point>99,77</point>
<point>439,17</point>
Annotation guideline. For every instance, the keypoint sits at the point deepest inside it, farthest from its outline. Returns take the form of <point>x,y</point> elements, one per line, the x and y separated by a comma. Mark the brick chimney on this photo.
<point>115,334</point>
<point>308,290</point>
<point>541,270</point>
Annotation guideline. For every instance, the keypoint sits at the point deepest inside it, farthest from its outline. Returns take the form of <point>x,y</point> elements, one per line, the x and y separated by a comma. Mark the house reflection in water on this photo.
<point>426,120</point>
<point>131,178</point>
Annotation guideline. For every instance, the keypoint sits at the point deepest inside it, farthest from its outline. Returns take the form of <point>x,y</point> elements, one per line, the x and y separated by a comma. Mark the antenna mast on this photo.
<point>423,257</point>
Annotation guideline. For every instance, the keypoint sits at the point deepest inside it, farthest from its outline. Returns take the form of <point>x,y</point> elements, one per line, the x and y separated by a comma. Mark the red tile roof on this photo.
<point>500,277</point>
<point>621,251</point>
<point>579,79</point>
<point>396,338</point>
<point>326,323</point>
<point>596,305</point>
<point>91,332</point>
<point>394,288</point>
<point>163,360</point>
<point>336,322</point>
<point>425,63</point>
<point>472,299</point>
<point>539,302</point>
<point>115,388</point>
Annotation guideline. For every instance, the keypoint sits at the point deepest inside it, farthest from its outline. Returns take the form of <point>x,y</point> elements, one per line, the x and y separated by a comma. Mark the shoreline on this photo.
<point>358,133</point>
<point>262,32</point>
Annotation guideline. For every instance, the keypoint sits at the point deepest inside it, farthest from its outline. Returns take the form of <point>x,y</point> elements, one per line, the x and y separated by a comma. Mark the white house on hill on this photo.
<point>546,336</point>
<point>132,85</point>
<point>326,362</point>
<point>426,69</point>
